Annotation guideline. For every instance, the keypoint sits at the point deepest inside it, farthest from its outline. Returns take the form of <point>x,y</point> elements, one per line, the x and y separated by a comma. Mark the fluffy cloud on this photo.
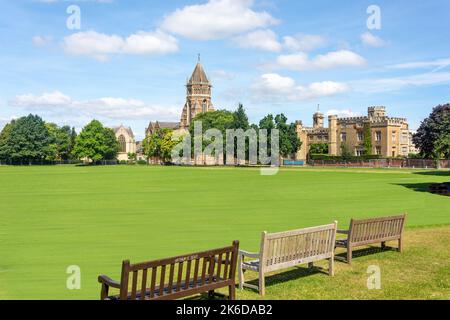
<point>216,19</point>
<point>371,40</point>
<point>274,86</point>
<point>301,62</point>
<point>108,107</point>
<point>303,42</point>
<point>99,45</point>
<point>266,40</point>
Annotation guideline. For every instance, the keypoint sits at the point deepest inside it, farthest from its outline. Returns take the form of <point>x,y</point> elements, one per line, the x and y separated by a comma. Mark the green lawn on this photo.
<point>94,217</point>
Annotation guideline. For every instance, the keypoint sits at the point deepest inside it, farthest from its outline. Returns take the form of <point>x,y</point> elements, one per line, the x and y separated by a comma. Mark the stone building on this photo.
<point>390,136</point>
<point>127,143</point>
<point>198,96</point>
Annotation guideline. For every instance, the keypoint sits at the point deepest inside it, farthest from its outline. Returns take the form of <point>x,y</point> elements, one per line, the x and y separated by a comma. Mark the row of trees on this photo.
<point>160,144</point>
<point>30,139</point>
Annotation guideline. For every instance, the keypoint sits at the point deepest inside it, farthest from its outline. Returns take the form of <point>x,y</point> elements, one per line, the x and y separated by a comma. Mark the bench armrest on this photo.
<point>342,231</point>
<point>249,254</point>
<point>109,282</point>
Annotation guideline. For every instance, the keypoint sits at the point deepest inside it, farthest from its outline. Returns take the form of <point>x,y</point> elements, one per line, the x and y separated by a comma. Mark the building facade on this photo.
<point>127,143</point>
<point>198,96</point>
<point>389,136</point>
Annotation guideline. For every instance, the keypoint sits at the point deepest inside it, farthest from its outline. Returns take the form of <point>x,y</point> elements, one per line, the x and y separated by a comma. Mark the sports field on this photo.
<point>95,217</point>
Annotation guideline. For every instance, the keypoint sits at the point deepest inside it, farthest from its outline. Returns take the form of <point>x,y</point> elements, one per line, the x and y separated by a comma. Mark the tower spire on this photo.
<point>199,58</point>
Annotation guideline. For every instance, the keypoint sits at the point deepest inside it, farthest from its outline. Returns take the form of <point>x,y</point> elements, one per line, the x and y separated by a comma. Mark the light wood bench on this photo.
<point>369,231</point>
<point>176,277</point>
<point>287,249</point>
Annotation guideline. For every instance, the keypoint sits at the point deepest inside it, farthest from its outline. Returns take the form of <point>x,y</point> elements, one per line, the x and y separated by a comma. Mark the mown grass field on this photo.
<point>95,217</point>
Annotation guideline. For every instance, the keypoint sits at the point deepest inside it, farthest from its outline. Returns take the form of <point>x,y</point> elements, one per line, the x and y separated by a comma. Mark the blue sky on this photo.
<point>129,61</point>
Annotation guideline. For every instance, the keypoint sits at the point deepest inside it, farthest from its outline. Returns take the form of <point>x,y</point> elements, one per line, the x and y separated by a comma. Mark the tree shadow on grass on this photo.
<point>440,173</point>
<point>420,187</point>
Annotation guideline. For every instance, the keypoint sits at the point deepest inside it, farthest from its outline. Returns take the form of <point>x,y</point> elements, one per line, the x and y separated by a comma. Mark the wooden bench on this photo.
<point>287,249</point>
<point>369,231</point>
<point>176,277</point>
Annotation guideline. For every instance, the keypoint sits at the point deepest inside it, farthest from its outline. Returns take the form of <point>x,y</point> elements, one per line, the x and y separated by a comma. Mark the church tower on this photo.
<point>198,96</point>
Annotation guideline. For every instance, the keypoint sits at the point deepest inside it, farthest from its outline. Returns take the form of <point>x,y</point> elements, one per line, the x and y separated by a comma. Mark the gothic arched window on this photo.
<point>122,144</point>
<point>204,108</point>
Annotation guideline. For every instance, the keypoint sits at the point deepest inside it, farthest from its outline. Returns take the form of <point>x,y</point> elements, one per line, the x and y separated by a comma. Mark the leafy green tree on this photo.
<point>160,144</point>
<point>220,120</point>
<point>289,140</point>
<point>240,119</point>
<point>96,143</point>
<point>318,148</point>
<point>29,140</point>
<point>61,145</point>
<point>5,150</point>
<point>432,136</point>
<point>367,139</point>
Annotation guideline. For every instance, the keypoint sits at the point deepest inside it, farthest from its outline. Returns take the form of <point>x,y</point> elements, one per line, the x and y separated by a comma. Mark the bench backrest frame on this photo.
<point>373,230</point>
<point>208,270</point>
<point>286,249</point>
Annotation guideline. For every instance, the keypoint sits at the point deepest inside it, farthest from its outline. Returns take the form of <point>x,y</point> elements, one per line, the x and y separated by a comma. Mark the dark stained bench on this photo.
<point>176,277</point>
<point>369,231</point>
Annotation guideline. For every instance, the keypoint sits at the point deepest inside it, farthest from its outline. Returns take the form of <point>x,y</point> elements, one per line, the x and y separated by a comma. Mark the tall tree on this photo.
<point>160,144</point>
<point>240,119</point>
<point>4,137</point>
<point>289,140</point>
<point>96,142</point>
<point>61,146</point>
<point>29,140</point>
<point>433,133</point>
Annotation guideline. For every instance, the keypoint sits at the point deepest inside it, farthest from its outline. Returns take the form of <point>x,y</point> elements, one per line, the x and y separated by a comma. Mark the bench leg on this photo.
<point>383,245</point>
<point>232,292</point>
<point>331,267</point>
<point>262,284</point>
<point>211,294</point>
<point>400,245</point>
<point>310,265</point>
<point>104,292</point>
<point>349,255</point>
<point>241,273</point>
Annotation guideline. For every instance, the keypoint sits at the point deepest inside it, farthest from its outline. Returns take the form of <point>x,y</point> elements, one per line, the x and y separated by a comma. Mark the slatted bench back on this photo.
<point>377,229</point>
<point>286,249</point>
<point>180,276</point>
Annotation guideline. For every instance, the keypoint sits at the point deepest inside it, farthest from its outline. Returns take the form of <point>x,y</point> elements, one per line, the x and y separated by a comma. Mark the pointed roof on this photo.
<point>199,75</point>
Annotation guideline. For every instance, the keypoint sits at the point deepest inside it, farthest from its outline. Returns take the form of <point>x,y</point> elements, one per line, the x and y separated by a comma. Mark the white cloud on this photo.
<point>398,83</point>
<point>216,19</point>
<point>273,86</point>
<point>100,46</point>
<point>156,42</point>
<point>371,40</point>
<point>342,113</point>
<point>107,107</point>
<point>301,62</point>
<point>338,59</point>
<point>41,41</point>
<point>266,40</point>
<point>52,99</point>
<point>303,42</point>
